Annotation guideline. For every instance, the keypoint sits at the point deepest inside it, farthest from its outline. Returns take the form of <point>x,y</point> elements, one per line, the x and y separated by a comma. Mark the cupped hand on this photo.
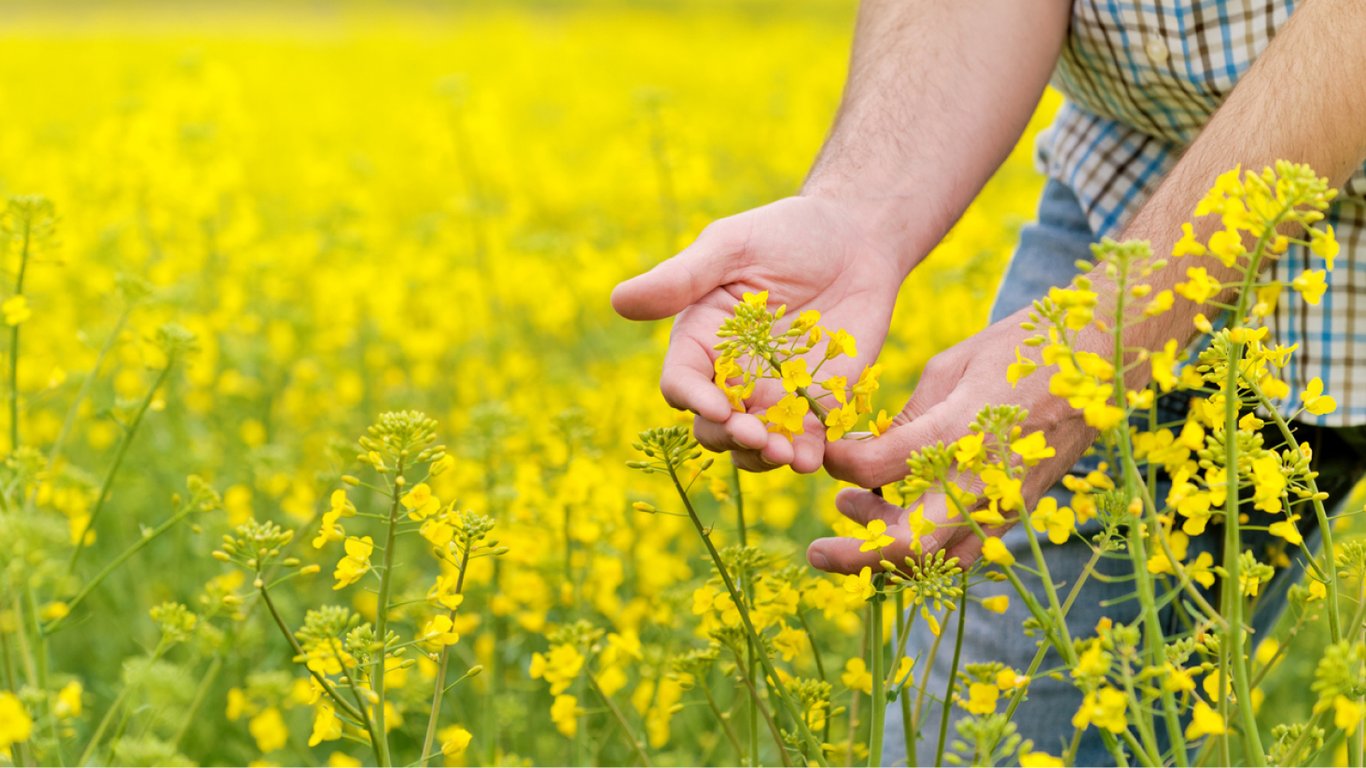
<point>955,386</point>
<point>808,253</point>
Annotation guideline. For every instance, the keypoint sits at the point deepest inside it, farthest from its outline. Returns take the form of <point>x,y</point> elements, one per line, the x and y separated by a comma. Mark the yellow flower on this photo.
<point>69,703</point>
<point>876,536</point>
<point>1199,287</point>
<point>15,724</point>
<point>1103,708</point>
<point>420,502</point>
<point>1286,530</point>
<point>1164,364</point>
<point>860,585</point>
<point>1227,245</point>
<point>794,374</point>
<point>1002,489</point>
<point>439,631</point>
<point>1032,448</point>
<point>840,343</point>
<point>454,740</point>
<point>564,713</point>
<point>785,416</point>
<point>1315,401</point>
<point>1093,662</point>
<point>331,529</point>
<point>16,310</point>
<point>1019,369</point>
<point>1311,285</point>
<point>996,603</point>
<point>326,725</point>
<point>839,387</point>
<point>1347,713</point>
<point>981,698</point>
<point>560,668</point>
<point>343,760</point>
<point>856,676</point>
<point>995,551</point>
<point>1033,759</point>
<point>1205,721</point>
<point>356,563</point>
<point>1057,522</point>
<point>881,424</point>
<point>1324,245</point>
<point>866,385</point>
<point>968,450</point>
<point>1160,303</point>
<point>268,728</point>
<point>1188,245</point>
<point>902,677</point>
<point>1317,590</point>
<point>757,300</point>
<point>839,421</point>
<point>920,527</point>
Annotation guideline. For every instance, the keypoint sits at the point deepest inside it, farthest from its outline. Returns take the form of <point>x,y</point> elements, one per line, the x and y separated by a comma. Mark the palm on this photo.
<point>807,255</point>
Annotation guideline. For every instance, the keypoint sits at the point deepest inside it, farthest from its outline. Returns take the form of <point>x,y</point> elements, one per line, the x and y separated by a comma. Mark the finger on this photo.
<point>686,381</point>
<point>808,451</point>
<point>738,432</point>
<point>837,554</point>
<point>864,507</point>
<point>674,284</point>
<point>778,451</point>
<point>882,460</point>
<point>751,461</point>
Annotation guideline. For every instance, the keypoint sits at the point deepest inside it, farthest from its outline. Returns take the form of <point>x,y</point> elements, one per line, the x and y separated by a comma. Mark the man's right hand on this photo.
<point>808,253</point>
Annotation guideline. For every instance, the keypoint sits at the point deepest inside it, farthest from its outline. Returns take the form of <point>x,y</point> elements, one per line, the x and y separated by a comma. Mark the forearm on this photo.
<point>1304,100</point>
<point>938,93</point>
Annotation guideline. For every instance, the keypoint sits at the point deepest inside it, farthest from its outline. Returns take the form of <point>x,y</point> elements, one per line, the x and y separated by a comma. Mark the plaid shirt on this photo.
<point>1142,77</point>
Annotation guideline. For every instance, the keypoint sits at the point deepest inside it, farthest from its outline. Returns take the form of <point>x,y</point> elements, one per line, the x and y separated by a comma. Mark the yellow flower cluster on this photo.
<point>752,349</point>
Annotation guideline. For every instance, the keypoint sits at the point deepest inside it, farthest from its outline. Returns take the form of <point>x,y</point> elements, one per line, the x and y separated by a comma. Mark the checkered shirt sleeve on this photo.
<point>1142,77</point>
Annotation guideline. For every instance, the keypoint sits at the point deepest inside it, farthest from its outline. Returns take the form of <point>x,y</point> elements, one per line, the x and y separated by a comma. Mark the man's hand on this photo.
<point>808,253</point>
<point>937,95</point>
<point>956,384</point>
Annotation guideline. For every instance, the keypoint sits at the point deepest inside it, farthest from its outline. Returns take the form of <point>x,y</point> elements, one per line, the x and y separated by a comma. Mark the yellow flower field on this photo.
<point>235,238</point>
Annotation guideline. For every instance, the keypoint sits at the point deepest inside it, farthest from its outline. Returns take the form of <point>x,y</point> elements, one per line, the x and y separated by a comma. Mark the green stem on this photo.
<point>742,531</point>
<point>382,620</point>
<point>724,720</point>
<point>331,692</point>
<point>439,688</point>
<point>1232,592</point>
<point>774,682</point>
<point>878,698</point>
<point>113,565</point>
<point>641,755</point>
<point>55,452</point>
<point>14,342</point>
<point>41,664</point>
<point>201,692</point>
<point>108,718</point>
<point>763,709</point>
<point>119,455</point>
<point>953,677</point>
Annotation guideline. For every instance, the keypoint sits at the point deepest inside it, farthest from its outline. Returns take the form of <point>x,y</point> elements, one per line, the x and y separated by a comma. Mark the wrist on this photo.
<point>889,222</point>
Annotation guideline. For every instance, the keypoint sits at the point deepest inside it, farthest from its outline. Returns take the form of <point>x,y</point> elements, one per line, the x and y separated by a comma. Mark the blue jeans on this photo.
<point>1046,257</point>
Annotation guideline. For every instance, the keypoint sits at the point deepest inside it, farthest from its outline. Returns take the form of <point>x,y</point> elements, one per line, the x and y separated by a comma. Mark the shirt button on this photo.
<point>1156,50</point>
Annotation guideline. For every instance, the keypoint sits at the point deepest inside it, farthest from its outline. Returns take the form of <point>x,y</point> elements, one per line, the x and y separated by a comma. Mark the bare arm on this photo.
<point>938,93</point>
<point>937,96</point>
<point>1304,100</point>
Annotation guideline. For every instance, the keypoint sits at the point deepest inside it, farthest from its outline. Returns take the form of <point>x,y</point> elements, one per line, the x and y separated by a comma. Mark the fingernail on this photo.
<point>820,561</point>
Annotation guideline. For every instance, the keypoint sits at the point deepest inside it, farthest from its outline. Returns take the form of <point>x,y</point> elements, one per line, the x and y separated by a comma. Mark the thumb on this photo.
<point>875,462</point>
<point>931,415</point>
<point>677,283</point>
